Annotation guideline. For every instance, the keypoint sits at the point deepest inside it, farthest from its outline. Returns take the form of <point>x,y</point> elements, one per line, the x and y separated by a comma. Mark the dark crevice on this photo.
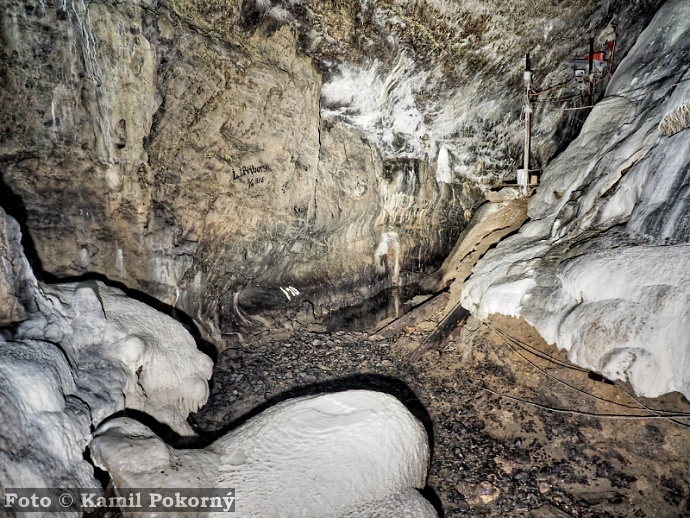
<point>430,494</point>
<point>163,431</point>
<point>102,476</point>
<point>389,303</point>
<point>251,17</point>
<point>388,385</point>
<point>14,206</point>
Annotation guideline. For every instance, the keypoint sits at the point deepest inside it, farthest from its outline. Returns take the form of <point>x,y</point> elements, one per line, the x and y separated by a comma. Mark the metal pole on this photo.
<point>591,68</point>
<point>528,127</point>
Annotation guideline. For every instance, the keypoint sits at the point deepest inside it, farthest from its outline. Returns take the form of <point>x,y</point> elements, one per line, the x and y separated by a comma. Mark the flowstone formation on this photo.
<point>77,354</point>
<point>601,268</point>
<point>232,158</point>
<point>347,454</point>
<point>84,352</point>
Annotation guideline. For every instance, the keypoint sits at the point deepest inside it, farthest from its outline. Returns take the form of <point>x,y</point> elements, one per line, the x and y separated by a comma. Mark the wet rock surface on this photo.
<point>492,456</point>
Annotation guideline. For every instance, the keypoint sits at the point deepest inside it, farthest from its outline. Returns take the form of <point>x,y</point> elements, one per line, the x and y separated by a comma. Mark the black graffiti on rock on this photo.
<point>255,181</point>
<point>250,170</point>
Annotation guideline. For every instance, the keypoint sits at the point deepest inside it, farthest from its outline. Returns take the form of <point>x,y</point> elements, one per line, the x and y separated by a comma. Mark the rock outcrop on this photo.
<point>81,353</point>
<point>354,454</point>
<point>210,154</point>
<point>16,279</point>
<point>232,158</point>
<point>601,270</point>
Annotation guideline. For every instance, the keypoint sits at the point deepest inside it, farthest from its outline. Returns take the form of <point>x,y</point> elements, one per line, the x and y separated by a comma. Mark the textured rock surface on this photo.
<point>601,268</point>
<point>354,453</point>
<point>542,464</point>
<point>131,355</point>
<point>46,425</point>
<point>16,279</point>
<point>83,352</point>
<point>189,150</point>
<point>490,224</point>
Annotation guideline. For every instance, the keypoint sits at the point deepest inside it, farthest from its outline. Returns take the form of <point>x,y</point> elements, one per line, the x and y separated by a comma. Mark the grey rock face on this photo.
<point>210,154</point>
<point>16,278</point>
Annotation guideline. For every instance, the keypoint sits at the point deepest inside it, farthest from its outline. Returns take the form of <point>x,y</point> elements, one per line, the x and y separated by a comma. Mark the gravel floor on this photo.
<point>492,456</point>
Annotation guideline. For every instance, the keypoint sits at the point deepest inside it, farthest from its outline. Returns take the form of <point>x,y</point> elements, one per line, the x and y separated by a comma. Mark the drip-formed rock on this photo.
<point>347,454</point>
<point>601,269</point>
<point>83,352</point>
<point>46,426</point>
<point>128,354</point>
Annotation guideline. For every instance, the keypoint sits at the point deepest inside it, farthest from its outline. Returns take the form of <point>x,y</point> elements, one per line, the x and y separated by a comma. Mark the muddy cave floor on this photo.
<point>491,455</point>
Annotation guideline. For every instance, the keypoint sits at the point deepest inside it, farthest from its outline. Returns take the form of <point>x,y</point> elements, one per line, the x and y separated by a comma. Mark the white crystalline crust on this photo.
<point>601,270</point>
<point>45,430</point>
<point>126,354</point>
<point>87,351</point>
<point>381,106</point>
<point>348,454</point>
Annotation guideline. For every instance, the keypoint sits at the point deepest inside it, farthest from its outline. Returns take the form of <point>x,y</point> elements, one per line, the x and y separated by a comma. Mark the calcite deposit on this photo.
<point>348,454</point>
<point>601,268</point>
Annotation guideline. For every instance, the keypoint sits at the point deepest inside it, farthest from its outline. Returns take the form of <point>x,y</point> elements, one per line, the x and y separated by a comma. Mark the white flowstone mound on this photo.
<point>82,352</point>
<point>348,454</point>
<point>127,354</point>
<point>602,268</point>
<point>45,428</point>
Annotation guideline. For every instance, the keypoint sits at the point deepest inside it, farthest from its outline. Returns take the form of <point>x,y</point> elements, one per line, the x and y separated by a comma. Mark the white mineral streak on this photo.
<point>443,168</point>
<point>601,270</point>
<point>382,105</point>
<point>387,255</point>
<point>290,292</point>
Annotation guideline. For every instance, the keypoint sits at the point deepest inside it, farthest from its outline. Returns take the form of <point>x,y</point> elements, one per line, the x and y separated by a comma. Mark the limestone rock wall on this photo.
<point>235,156</point>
